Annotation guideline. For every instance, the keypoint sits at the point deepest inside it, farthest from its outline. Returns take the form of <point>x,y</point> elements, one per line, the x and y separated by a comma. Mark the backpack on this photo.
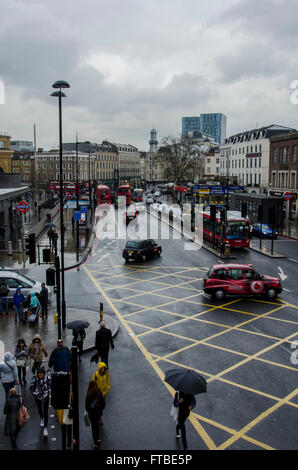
<point>23,415</point>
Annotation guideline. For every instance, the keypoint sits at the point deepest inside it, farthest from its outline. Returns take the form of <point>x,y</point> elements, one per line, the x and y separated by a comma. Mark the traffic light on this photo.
<point>244,209</point>
<point>223,215</point>
<point>31,248</point>
<point>212,213</point>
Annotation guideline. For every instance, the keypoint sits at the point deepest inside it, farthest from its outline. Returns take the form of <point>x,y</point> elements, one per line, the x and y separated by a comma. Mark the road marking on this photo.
<point>201,431</point>
<point>295,261</point>
<point>282,275</point>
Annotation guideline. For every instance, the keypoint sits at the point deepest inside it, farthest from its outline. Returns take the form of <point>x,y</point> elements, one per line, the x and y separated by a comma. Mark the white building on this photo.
<point>245,156</point>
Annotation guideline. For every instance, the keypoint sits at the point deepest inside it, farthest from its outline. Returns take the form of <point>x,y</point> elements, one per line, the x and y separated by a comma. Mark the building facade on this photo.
<point>245,156</point>
<point>5,153</point>
<point>283,170</point>
<point>47,167</point>
<point>214,124</point>
<point>128,163</point>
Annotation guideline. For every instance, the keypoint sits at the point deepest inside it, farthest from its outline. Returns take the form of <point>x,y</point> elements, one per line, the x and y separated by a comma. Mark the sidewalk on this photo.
<point>10,331</point>
<point>290,230</point>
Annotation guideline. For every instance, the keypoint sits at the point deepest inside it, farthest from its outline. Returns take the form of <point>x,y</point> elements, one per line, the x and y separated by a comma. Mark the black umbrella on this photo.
<point>50,224</point>
<point>187,381</point>
<point>77,325</point>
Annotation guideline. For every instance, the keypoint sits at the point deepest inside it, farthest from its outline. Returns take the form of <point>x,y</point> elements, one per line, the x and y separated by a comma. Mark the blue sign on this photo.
<point>84,209</point>
<point>77,215</point>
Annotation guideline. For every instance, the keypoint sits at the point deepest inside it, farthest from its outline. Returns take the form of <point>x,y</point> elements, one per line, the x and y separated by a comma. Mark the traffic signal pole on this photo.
<point>75,398</point>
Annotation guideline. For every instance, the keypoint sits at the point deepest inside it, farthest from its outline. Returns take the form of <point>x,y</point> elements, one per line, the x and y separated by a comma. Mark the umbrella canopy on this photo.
<point>77,325</point>
<point>50,224</point>
<point>187,381</point>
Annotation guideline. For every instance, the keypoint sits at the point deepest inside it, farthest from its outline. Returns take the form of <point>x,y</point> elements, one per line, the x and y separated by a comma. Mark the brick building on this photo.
<point>283,170</point>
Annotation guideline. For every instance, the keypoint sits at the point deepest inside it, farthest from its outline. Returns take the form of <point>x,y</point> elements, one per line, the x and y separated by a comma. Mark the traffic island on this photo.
<point>48,330</point>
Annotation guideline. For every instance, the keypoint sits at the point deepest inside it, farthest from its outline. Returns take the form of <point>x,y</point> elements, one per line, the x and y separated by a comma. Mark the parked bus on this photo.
<point>138,195</point>
<point>124,190</point>
<point>103,194</point>
<point>236,230</point>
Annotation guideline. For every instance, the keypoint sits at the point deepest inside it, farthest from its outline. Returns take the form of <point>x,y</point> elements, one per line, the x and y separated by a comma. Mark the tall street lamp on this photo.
<point>59,85</point>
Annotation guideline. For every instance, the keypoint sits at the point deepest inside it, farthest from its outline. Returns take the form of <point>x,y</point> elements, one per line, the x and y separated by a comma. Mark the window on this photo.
<point>294,154</point>
<point>236,274</point>
<point>274,156</point>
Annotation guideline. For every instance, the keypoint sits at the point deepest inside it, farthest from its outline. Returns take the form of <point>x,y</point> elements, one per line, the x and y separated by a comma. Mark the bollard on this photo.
<point>101,311</point>
<point>9,248</point>
<point>20,245</point>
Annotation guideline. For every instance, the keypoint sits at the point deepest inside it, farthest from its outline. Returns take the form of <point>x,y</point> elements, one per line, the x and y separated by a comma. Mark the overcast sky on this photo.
<point>136,64</point>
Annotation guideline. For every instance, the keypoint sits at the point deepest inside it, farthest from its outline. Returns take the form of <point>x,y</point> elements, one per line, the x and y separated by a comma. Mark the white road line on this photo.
<point>295,261</point>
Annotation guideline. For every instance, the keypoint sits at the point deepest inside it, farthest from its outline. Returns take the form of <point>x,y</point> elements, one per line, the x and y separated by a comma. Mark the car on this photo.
<point>149,200</point>
<point>239,279</point>
<point>141,250</point>
<point>14,279</point>
<point>140,206</point>
<point>131,213</point>
<point>267,231</point>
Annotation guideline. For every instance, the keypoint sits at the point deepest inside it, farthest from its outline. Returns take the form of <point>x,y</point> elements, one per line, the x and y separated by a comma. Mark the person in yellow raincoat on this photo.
<point>102,378</point>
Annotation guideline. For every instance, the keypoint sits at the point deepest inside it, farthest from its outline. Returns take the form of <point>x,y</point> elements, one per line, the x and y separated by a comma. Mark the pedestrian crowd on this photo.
<point>14,371</point>
<point>21,305</point>
<point>45,388</point>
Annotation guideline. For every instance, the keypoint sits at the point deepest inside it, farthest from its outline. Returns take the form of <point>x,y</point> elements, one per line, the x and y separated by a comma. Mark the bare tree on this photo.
<point>182,157</point>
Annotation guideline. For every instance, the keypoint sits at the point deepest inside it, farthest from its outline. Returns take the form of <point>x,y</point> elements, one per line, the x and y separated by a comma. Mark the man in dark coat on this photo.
<point>103,340</point>
<point>60,358</point>
<point>43,299</point>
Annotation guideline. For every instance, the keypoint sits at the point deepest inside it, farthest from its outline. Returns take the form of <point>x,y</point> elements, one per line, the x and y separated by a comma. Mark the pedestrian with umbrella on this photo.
<point>79,334</point>
<point>187,383</point>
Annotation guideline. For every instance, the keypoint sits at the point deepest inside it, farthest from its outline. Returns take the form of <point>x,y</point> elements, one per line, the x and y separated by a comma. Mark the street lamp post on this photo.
<point>59,85</point>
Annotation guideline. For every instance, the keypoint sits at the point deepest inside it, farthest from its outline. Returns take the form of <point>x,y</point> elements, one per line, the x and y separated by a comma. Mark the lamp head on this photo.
<point>58,93</point>
<point>61,84</point>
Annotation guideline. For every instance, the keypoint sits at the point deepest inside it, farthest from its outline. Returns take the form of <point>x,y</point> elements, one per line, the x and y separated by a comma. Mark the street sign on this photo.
<point>23,206</point>
<point>287,196</point>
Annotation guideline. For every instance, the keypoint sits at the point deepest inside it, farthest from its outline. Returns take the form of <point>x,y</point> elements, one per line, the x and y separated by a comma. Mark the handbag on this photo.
<point>23,415</point>
<point>175,410</point>
<point>67,418</point>
<point>21,363</point>
<point>174,413</point>
<point>86,418</point>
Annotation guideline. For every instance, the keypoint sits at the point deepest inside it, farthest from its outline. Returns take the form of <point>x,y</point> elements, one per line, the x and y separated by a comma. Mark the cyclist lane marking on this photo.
<point>199,428</point>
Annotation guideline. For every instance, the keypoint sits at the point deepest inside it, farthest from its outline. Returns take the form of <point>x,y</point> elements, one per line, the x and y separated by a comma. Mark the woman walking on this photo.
<point>34,303</point>
<point>21,355</point>
<point>37,350</point>
<point>8,373</point>
<point>78,339</point>
<point>11,410</point>
<point>102,378</point>
<point>186,403</point>
<point>94,405</point>
<point>40,389</point>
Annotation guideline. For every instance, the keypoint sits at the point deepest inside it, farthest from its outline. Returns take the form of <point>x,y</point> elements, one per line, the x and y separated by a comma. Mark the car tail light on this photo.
<point>138,252</point>
<point>123,251</point>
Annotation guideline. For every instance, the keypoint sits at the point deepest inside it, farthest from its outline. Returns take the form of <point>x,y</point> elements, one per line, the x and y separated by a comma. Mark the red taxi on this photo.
<point>239,279</point>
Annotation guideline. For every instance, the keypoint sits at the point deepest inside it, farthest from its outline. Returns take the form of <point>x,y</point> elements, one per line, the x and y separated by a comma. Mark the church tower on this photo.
<point>153,141</point>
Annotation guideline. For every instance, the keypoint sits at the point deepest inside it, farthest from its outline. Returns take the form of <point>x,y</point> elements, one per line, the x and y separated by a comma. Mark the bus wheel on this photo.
<point>219,294</point>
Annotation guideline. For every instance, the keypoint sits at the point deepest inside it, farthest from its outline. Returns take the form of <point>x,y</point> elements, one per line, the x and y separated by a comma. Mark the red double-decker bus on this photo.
<point>69,187</point>
<point>235,231</point>
<point>138,194</point>
<point>103,194</point>
<point>124,190</point>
